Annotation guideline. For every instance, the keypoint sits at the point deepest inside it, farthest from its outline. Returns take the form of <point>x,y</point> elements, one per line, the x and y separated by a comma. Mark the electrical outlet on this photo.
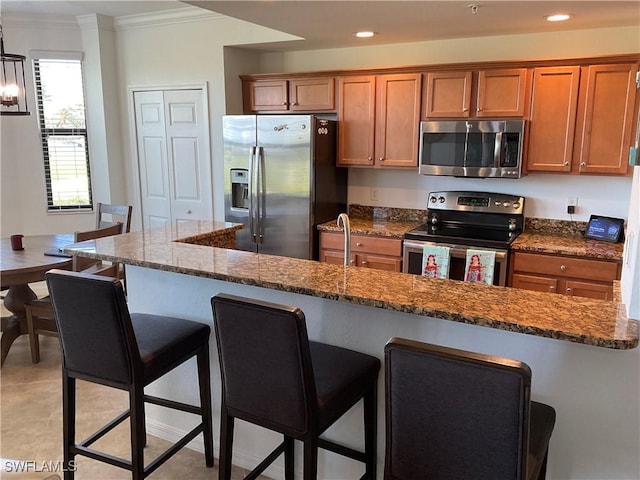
<point>572,201</point>
<point>373,194</point>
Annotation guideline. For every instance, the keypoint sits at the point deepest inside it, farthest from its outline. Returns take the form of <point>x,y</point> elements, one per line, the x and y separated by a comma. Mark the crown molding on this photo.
<point>39,21</point>
<point>167,17</point>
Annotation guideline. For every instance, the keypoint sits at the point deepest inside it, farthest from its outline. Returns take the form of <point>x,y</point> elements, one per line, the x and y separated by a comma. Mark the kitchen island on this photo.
<point>582,352</point>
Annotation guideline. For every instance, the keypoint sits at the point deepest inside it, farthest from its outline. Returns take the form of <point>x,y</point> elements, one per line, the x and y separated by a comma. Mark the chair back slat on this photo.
<point>111,214</point>
<point>453,414</point>
<point>94,325</point>
<point>265,361</point>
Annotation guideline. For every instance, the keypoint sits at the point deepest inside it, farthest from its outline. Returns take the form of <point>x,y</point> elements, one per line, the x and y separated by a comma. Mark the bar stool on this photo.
<point>102,343</point>
<point>453,414</point>
<point>274,377</point>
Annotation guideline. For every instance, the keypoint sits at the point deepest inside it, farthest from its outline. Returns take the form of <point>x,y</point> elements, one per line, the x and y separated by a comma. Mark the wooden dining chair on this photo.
<point>39,312</point>
<point>110,214</point>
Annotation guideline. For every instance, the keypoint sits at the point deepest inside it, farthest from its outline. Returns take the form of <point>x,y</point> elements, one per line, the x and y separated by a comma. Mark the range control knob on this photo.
<point>441,199</point>
<point>516,205</point>
<point>497,203</point>
<point>506,204</point>
<point>433,199</point>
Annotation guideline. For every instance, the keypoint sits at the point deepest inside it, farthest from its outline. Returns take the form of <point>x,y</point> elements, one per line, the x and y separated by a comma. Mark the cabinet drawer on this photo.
<point>565,266</point>
<point>363,244</point>
<point>381,246</point>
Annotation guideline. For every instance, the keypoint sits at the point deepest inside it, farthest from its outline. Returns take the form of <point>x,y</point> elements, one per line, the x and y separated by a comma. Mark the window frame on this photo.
<point>46,132</point>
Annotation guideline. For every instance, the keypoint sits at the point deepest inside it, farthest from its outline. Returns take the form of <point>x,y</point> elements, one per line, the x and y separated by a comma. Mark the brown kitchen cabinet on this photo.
<point>366,251</point>
<point>580,277</point>
<point>582,119</point>
<point>292,95</point>
<point>378,120</point>
<point>498,93</point>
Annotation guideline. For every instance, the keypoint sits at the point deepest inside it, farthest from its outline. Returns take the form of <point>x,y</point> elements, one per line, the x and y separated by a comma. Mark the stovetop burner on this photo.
<point>481,219</point>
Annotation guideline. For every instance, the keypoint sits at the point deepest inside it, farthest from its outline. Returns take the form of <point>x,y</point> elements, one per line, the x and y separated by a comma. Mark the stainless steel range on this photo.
<point>462,220</point>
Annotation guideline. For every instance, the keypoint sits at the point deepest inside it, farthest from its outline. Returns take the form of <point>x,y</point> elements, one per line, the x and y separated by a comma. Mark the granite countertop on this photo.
<point>581,320</point>
<point>371,226</point>
<point>573,245</point>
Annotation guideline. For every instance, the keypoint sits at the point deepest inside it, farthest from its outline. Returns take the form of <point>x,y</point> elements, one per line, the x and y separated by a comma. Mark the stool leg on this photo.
<point>226,445</point>
<point>138,436</point>
<point>370,431</point>
<point>68,424</point>
<point>310,455</point>
<point>204,379</point>
<point>289,470</point>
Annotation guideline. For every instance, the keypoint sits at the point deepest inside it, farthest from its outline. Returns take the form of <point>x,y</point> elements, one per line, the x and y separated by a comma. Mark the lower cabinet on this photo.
<point>581,277</point>
<point>366,251</point>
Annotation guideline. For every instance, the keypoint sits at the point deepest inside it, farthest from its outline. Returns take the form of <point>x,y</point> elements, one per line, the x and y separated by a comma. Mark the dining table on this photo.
<point>19,268</point>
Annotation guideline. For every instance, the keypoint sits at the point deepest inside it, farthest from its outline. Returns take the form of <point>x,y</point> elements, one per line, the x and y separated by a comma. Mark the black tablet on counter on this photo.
<point>607,229</point>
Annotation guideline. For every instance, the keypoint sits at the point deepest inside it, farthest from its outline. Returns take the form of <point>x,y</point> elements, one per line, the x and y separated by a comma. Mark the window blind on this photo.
<point>61,111</point>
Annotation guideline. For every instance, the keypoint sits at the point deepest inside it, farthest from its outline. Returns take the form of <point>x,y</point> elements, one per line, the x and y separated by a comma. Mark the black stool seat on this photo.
<point>273,376</point>
<point>102,343</point>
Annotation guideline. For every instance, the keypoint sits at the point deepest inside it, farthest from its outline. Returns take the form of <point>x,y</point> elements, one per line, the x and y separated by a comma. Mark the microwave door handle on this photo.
<point>497,154</point>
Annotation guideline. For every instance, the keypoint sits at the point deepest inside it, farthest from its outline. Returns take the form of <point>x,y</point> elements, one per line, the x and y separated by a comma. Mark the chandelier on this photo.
<point>13,94</point>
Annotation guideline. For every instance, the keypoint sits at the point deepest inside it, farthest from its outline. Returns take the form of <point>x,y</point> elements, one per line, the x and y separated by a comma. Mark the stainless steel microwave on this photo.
<point>472,148</point>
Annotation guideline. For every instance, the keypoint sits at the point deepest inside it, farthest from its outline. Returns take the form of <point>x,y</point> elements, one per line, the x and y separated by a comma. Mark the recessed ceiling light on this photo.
<point>364,34</point>
<point>559,17</point>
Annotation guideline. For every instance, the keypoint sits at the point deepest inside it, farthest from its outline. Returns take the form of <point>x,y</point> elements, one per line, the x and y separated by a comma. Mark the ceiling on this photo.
<point>331,24</point>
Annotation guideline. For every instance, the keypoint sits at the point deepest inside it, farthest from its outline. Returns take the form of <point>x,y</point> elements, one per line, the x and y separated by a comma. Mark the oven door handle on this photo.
<point>454,250</point>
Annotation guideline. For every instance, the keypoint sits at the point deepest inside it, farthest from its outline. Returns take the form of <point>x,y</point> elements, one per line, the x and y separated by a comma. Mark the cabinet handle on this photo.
<point>364,263</point>
<point>478,109</point>
<point>358,244</point>
<point>293,103</point>
<point>465,109</point>
<point>370,159</point>
<point>563,268</point>
<point>568,291</point>
<point>381,159</point>
<point>283,103</point>
<point>566,164</point>
<point>583,164</point>
<point>552,288</point>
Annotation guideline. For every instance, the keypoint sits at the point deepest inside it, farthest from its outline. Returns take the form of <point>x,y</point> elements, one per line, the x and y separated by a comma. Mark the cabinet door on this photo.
<point>312,94</point>
<point>333,257</point>
<point>447,95</point>
<point>502,93</point>
<point>606,121</point>
<point>397,120</point>
<point>532,282</point>
<point>356,120</point>
<point>379,262</point>
<point>589,290</point>
<point>553,119</point>
<point>265,95</point>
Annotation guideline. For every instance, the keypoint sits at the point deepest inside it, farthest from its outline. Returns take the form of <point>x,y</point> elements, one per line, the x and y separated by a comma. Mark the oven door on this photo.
<point>412,260</point>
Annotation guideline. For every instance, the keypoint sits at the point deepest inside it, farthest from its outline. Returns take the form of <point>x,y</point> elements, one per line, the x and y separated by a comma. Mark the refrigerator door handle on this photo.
<point>252,193</point>
<point>261,194</point>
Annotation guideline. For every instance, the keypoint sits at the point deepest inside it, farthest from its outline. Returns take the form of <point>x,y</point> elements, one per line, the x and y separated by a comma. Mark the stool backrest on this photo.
<point>94,326</point>
<point>265,362</point>
<point>110,214</point>
<point>453,414</point>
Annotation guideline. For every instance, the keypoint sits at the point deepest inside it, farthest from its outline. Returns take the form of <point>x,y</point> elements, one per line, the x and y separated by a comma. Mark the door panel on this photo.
<point>152,158</point>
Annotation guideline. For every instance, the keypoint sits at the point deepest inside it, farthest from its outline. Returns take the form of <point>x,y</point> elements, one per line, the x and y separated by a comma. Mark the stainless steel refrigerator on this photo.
<point>281,181</point>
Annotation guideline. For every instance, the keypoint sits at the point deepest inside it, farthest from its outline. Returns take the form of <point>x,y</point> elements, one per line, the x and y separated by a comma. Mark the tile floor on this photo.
<point>31,421</point>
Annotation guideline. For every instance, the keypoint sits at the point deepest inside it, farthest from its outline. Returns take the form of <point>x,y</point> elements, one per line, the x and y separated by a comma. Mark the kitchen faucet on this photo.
<point>343,221</point>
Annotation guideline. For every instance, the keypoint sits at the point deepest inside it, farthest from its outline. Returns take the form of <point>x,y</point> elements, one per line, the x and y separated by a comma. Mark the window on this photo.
<point>63,129</point>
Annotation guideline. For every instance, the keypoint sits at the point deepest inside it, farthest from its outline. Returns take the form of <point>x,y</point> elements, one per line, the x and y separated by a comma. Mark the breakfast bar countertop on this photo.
<point>581,320</point>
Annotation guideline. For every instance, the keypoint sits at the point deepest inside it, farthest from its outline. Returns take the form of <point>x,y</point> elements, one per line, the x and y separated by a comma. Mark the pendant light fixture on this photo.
<point>13,93</point>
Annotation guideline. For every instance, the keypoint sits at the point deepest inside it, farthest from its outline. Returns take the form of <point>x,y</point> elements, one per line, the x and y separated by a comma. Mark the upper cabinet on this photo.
<point>487,93</point>
<point>582,119</point>
<point>378,120</point>
<point>292,95</point>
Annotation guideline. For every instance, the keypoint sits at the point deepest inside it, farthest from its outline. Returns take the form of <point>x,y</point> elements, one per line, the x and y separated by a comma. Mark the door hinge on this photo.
<point>638,79</point>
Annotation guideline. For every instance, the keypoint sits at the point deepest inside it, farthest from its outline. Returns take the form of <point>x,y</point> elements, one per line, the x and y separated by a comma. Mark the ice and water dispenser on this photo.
<point>239,188</point>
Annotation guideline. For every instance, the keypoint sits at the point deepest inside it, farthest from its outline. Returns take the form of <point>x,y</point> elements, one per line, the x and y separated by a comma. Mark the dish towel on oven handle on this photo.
<point>435,261</point>
<point>480,266</point>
